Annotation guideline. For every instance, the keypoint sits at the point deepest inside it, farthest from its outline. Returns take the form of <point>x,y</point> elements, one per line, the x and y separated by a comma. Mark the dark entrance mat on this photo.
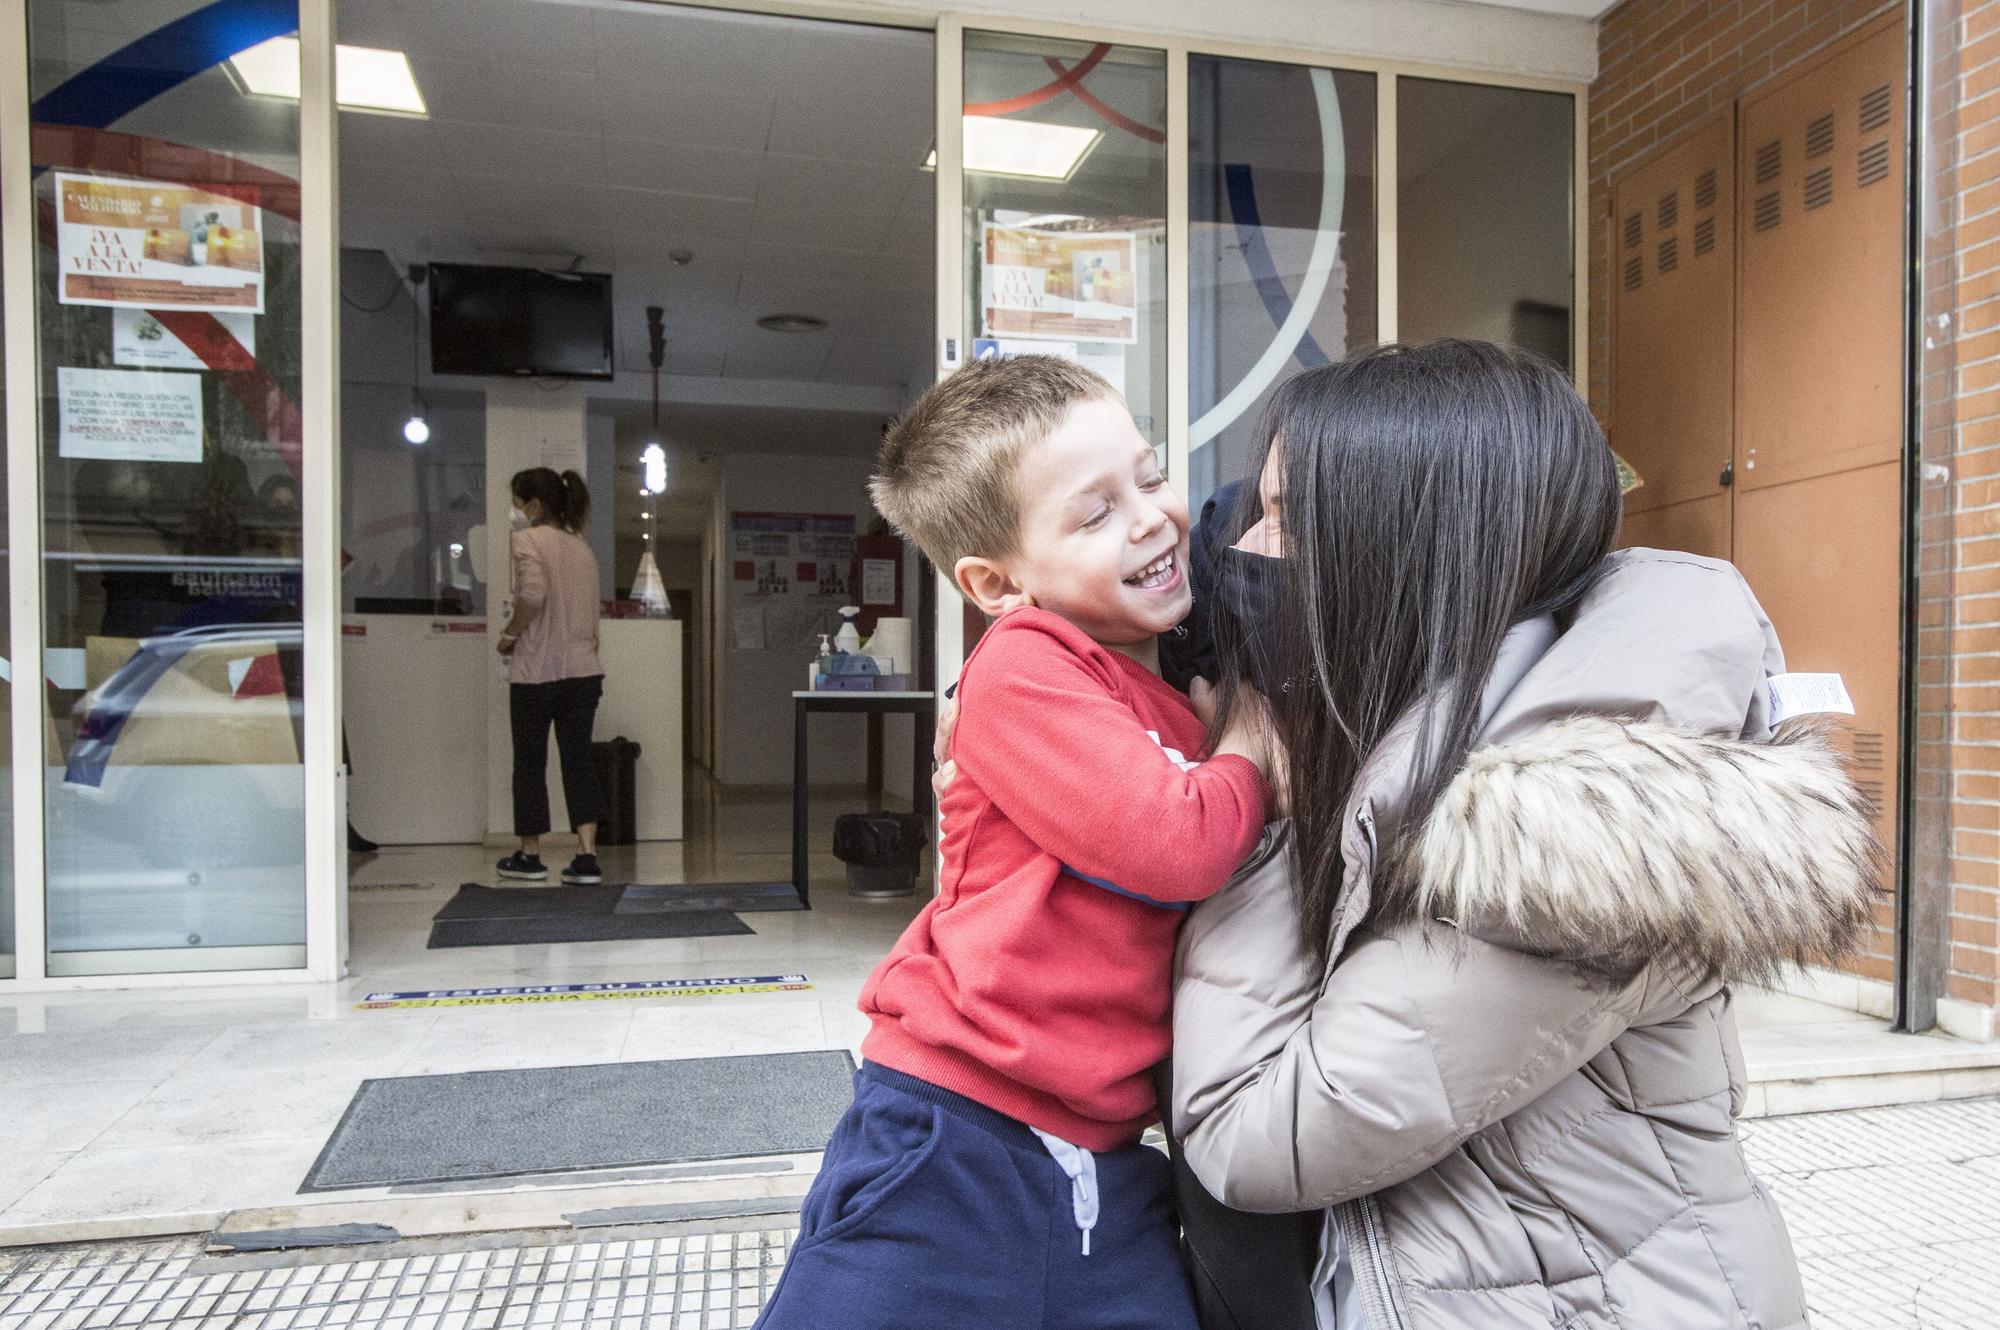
<point>741,897</point>
<point>448,933</point>
<point>480,916</point>
<point>491,1124</point>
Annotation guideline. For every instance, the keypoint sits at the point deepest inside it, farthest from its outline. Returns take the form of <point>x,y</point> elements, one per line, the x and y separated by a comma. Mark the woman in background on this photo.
<point>551,647</point>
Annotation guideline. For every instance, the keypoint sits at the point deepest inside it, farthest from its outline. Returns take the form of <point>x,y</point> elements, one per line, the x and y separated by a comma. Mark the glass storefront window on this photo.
<point>1065,155</point>
<point>167,310</point>
<point>1485,211</point>
<point>1281,234</point>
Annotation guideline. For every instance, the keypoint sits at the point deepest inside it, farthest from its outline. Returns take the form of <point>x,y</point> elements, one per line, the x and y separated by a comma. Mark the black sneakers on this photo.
<point>583,871</point>
<point>524,868</point>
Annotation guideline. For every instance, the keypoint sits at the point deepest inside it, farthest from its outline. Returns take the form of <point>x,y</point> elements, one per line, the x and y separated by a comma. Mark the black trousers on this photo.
<point>1250,1272</point>
<point>571,706</point>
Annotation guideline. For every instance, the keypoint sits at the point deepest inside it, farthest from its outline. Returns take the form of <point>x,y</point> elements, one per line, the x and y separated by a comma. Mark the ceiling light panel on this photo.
<point>365,78</point>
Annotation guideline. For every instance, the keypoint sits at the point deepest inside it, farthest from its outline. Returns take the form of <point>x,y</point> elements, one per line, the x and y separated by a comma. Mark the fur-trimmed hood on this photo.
<point>1627,799</point>
<point>1611,843</point>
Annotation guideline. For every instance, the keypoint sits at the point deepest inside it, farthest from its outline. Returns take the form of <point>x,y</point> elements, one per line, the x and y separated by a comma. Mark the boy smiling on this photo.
<point>1014,1024</point>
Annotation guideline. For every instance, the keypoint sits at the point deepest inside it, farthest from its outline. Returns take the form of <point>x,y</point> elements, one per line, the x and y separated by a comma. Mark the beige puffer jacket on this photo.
<point>1516,1086</point>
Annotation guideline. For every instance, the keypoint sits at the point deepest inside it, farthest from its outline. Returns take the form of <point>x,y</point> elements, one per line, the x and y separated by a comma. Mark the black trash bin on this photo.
<point>617,761</point>
<point>881,851</point>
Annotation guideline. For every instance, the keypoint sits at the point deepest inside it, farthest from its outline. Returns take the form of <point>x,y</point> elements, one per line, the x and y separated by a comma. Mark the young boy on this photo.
<point>989,1172</point>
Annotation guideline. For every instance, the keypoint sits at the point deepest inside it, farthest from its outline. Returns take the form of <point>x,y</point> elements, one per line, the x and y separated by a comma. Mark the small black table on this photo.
<point>921,706</point>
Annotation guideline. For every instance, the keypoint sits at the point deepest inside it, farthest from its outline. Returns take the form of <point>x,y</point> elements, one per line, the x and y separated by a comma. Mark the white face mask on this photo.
<point>517,520</point>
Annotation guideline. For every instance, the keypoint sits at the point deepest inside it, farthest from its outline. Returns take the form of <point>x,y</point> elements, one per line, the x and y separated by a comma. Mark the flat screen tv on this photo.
<point>520,321</point>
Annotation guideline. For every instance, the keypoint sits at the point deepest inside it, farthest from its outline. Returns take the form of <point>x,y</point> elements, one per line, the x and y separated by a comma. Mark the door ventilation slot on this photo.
<point>1670,255</point>
<point>1670,208</point>
<point>1633,226</point>
<point>1704,236</point>
<point>1871,793</point>
<point>1819,188</point>
<point>1635,272</point>
<point>1704,189</point>
<point>1875,108</point>
<point>1770,160</point>
<point>1767,211</point>
<point>1873,161</point>
<point>1819,136</point>
<point>1869,746</point>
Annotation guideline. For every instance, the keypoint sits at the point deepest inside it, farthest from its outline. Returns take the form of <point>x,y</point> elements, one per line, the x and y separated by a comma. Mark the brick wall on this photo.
<point>1667,65</point>
<point>1959,657</point>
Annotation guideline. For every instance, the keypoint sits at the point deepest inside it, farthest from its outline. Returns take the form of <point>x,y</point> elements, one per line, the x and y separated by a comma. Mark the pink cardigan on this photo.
<point>556,570</point>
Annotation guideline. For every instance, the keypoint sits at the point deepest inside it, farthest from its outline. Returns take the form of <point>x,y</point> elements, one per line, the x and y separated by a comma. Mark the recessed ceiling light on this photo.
<point>365,78</point>
<point>994,146</point>
<point>791,323</point>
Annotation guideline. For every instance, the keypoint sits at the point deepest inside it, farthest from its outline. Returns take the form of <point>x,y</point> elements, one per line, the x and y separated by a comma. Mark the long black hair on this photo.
<point>563,497</point>
<point>1432,497</point>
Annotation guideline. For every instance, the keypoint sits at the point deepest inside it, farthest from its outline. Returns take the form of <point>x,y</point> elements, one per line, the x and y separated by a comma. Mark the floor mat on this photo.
<point>481,916</point>
<point>488,1124</point>
<point>741,897</point>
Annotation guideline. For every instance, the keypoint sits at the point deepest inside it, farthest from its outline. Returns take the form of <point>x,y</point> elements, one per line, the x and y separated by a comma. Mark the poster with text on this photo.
<point>157,246</point>
<point>129,415</point>
<point>1074,286</point>
<point>140,341</point>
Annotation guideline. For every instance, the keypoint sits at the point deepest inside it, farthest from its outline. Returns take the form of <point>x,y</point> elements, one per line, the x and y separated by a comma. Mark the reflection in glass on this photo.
<point>1281,234</point>
<point>168,313</point>
<point>1065,209</point>
<point>1485,206</point>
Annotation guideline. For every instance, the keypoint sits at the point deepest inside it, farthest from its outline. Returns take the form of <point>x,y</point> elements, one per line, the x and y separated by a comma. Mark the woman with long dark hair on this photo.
<point>1462,1027</point>
<point>553,672</point>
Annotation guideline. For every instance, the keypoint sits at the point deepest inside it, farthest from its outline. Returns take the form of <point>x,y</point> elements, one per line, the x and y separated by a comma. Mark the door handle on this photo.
<point>1728,476</point>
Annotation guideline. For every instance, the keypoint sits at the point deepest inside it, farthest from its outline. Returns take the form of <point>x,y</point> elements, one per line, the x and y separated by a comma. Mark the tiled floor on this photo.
<point>1889,1209</point>
<point>166,1109</point>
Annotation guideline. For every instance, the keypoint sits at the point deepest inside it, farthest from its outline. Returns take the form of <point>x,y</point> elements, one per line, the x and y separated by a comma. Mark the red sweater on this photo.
<point>1024,986</point>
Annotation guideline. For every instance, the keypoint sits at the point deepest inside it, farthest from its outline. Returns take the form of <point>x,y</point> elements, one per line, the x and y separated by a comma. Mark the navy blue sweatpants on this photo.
<point>932,1212</point>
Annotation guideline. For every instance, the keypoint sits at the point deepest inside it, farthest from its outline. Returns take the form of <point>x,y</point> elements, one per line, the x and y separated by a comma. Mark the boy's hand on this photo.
<point>1201,693</point>
<point>1252,734</point>
<point>945,768</point>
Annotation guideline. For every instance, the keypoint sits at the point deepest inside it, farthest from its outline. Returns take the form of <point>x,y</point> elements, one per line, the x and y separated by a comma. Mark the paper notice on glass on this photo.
<point>1079,286</point>
<point>748,626</point>
<point>157,246</point>
<point>143,342</point>
<point>129,415</point>
<point>1807,694</point>
<point>1108,363</point>
<point>878,581</point>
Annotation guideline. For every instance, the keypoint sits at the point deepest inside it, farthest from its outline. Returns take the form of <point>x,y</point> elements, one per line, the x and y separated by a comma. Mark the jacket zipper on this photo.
<point>1384,1313</point>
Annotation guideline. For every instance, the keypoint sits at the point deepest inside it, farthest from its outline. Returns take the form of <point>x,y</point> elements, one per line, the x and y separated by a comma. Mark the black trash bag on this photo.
<point>879,840</point>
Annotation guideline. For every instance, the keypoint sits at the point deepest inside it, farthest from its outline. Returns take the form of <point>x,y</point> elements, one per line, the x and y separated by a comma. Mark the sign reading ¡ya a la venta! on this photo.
<point>129,415</point>
<point>157,246</point>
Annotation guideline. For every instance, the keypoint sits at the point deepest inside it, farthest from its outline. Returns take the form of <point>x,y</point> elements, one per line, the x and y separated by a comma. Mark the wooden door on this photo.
<point>1819,378</point>
<point>1673,313</point>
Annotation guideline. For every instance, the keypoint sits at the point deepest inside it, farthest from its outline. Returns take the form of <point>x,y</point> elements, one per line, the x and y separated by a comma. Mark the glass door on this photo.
<point>166,166</point>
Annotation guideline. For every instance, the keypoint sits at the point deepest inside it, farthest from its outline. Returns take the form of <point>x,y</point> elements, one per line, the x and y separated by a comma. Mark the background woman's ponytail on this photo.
<point>576,503</point>
<point>564,499</point>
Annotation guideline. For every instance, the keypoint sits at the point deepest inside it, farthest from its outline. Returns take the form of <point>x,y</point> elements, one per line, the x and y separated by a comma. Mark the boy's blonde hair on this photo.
<point>946,474</point>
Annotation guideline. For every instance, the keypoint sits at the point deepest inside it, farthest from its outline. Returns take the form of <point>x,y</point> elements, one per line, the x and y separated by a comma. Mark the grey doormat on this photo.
<point>741,897</point>
<point>477,901</point>
<point>481,916</point>
<point>491,1124</point>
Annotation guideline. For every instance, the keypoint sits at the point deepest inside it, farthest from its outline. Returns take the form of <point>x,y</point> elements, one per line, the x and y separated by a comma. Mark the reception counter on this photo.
<point>427,729</point>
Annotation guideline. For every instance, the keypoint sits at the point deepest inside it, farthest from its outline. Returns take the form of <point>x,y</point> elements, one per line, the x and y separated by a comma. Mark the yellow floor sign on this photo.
<point>604,992</point>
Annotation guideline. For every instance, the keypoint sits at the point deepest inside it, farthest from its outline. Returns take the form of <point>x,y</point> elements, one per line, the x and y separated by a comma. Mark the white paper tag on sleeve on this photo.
<point>1806,694</point>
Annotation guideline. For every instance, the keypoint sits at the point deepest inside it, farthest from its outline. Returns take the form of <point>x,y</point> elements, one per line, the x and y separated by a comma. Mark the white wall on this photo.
<point>757,686</point>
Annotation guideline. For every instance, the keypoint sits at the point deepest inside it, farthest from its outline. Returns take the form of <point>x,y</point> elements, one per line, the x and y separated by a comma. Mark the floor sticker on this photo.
<point>609,991</point>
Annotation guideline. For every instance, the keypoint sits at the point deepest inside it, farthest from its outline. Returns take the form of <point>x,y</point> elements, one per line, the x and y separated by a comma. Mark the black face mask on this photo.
<point>1248,590</point>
